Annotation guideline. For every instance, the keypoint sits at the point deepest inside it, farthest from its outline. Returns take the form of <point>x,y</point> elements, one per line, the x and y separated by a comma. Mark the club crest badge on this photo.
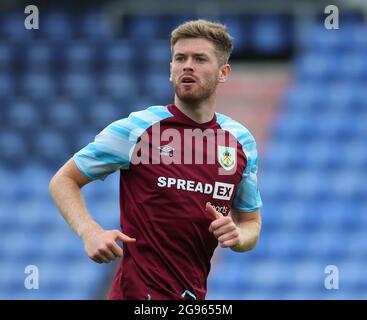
<point>227,157</point>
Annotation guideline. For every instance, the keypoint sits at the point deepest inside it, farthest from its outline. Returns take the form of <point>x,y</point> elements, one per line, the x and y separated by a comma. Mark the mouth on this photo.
<point>187,80</point>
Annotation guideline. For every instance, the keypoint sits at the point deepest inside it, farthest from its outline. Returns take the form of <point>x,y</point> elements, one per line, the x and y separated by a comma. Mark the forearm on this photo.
<point>69,200</point>
<point>249,232</point>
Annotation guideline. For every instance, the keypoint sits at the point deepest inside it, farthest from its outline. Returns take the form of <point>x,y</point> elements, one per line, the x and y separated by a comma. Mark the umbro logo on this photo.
<point>166,150</point>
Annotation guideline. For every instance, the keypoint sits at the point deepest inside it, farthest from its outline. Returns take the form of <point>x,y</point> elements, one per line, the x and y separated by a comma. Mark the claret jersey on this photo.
<point>170,168</point>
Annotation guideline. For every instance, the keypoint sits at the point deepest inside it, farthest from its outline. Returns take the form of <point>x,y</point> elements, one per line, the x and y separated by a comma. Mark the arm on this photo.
<point>248,226</point>
<point>65,189</point>
<point>238,231</point>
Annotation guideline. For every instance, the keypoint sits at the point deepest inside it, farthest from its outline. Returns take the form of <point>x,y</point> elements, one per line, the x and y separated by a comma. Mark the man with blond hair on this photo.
<point>178,199</point>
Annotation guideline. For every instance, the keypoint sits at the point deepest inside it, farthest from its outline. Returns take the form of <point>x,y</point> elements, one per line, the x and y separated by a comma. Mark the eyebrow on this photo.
<point>200,54</point>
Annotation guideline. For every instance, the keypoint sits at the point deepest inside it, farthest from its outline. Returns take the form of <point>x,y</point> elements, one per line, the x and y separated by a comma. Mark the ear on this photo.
<point>170,71</point>
<point>224,72</point>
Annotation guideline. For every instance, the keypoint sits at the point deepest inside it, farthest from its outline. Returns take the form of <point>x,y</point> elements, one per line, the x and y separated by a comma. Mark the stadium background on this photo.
<point>297,86</point>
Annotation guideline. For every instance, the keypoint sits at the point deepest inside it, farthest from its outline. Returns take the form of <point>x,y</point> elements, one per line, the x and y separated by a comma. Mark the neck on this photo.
<point>200,111</point>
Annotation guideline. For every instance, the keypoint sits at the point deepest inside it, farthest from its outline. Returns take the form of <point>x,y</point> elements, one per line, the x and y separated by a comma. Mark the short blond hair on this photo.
<point>215,32</point>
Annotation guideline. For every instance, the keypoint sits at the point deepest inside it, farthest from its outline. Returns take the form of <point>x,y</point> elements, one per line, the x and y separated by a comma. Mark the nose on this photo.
<point>188,65</point>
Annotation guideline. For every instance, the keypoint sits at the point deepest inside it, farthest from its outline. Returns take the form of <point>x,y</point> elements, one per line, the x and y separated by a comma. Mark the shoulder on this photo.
<point>148,116</point>
<point>237,129</point>
<point>140,120</point>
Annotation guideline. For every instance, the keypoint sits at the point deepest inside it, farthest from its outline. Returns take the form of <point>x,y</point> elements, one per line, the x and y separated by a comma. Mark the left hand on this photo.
<point>223,228</point>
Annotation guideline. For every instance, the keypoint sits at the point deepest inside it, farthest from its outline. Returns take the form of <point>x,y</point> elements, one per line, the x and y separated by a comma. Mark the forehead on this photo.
<point>194,46</point>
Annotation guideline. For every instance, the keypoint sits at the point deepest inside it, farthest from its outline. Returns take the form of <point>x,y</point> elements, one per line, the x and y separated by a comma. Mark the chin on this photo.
<point>189,98</point>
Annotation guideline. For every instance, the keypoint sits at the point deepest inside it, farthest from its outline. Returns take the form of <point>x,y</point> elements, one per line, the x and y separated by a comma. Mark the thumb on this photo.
<point>120,236</point>
<point>213,212</point>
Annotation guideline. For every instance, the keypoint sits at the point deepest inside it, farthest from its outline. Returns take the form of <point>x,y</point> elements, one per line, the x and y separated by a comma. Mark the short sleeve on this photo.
<point>112,149</point>
<point>107,153</point>
<point>247,198</point>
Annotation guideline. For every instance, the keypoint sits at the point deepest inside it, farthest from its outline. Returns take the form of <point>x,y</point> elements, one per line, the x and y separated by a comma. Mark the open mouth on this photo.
<point>188,80</point>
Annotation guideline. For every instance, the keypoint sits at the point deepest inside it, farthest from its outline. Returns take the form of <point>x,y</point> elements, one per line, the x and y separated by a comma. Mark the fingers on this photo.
<point>120,236</point>
<point>100,258</point>
<point>230,243</point>
<point>103,255</point>
<point>103,248</point>
<point>228,236</point>
<point>218,223</point>
<point>224,229</point>
<point>227,228</point>
<point>107,254</point>
<point>213,212</point>
<point>116,249</point>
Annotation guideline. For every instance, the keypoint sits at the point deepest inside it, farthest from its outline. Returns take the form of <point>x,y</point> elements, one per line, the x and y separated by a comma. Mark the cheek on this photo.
<point>173,73</point>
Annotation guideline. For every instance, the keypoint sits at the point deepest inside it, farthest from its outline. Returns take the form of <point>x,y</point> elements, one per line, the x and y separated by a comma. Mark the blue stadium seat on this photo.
<point>7,211</point>
<point>103,112</point>
<point>355,244</point>
<point>63,114</point>
<point>159,88</point>
<point>270,34</point>
<point>38,85</point>
<point>107,212</point>
<point>229,279</point>
<point>321,155</point>
<point>39,56</point>
<point>357,38</point>
<point>7,190</point>
<point>270,275</point>
<point>57,27</point>
<point>78,85</point>
<point>352,271</point>
<point>353,66</point>
<point>61,244</point>
<point>158,53</point>
<point>239,29</point>
<point>318,39</point>
<point>355,152</point>
<point>15,243</point>
<point>119,55</point>
<point>7,85</point>
<point>285,243</point>
<point>83,136</point>
<point>51,147</point>
<point>13,147</point>
<point>12,278</point>
<point>118,85</point>
<point>35,179</point>
<point>141,28</point>
<point>52,282</point>
<point>6,56</point>
<point>22,114</point>
<point>316,67</point>
<point>80,56</point>
<point>90,277</point>
<point>292,214</point>
<point>12,27</point>
<point>96,26</point>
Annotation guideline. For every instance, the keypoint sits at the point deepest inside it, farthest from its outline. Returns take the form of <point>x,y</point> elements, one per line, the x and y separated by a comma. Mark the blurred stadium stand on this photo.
<point>62,84</point>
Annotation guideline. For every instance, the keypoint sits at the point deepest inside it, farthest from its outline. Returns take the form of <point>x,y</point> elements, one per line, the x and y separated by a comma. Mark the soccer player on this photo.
<point>174,208</point>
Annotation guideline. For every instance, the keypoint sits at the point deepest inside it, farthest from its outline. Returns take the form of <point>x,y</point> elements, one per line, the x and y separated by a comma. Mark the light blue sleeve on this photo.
<point>247,197</point>
<point>112,148</point>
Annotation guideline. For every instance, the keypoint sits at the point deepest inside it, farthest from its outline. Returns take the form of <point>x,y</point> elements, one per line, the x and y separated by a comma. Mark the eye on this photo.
<point>200,59</point>
<point>179,58</point>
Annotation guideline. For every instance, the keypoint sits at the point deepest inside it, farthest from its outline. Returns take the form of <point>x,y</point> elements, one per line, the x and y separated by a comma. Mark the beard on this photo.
<point>196,92</point>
